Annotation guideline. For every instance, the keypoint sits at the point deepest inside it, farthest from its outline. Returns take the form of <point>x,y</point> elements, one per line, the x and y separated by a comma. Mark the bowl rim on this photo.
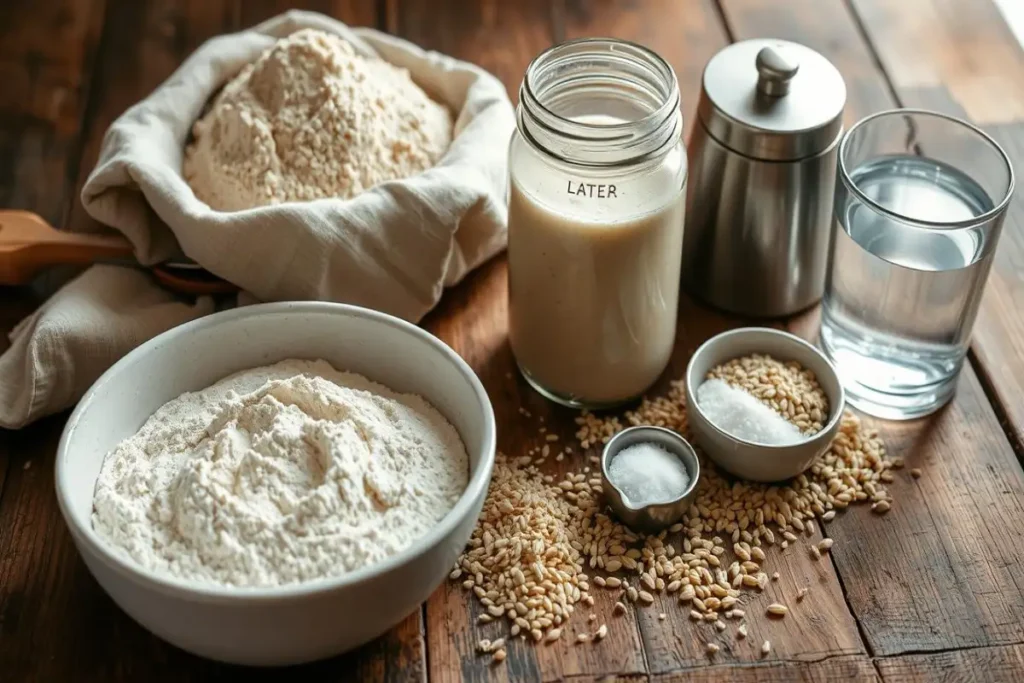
<point>836,408</point>
<point>126,567</point>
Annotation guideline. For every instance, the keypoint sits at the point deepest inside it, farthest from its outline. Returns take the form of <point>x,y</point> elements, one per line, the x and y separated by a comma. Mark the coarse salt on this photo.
<point>647,474</point>
<point>741,415</point>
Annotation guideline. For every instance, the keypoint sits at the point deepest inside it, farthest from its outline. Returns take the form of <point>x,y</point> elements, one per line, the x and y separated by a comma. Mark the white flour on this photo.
<point>311,118</point>
<point>280,474</point>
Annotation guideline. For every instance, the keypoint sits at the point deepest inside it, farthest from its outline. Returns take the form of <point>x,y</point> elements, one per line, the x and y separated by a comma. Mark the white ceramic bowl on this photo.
<point>746,459</point>
<point>301,622</point>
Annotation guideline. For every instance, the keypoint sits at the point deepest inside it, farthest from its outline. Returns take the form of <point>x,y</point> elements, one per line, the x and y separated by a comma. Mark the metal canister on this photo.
<point>762,177</point>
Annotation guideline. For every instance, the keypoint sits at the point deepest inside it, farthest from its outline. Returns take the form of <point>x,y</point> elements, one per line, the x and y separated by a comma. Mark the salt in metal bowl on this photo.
<point>650,518</point>
<point>747,459</point>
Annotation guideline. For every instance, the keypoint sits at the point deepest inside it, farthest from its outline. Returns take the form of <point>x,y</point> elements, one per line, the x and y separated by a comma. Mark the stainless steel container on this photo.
<point>762,176</point>
<point>655,517</point>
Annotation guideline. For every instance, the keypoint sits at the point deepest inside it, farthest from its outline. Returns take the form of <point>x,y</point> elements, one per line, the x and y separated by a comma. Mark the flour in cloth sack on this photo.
<point>277,475</point>
<point>312,118</point>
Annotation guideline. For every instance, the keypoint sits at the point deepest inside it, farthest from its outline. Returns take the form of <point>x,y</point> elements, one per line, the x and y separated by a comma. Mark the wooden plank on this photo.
<point>963,47</point>
<point>499,36</point>
<point>840,668</point>
<point>938,572</point>
<point>354,12</point>
<point>925,575</point>
<point>959,57</point>
<point>686,33</point>
<point>16,305</point>
<point>978,665</point>
<point>157,36</point>
<point>998,344</point>
<point>46,53</point>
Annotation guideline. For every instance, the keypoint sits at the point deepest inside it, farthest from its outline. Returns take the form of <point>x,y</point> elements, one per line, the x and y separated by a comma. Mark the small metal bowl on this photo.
<point>650,518</point>
<point>746,459</point>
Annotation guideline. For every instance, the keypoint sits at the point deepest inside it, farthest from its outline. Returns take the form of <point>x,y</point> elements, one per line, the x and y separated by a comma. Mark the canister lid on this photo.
<point>772,99</point>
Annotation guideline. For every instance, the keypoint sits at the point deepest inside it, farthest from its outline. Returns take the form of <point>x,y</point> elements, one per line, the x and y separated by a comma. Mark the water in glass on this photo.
<point>900,299</point>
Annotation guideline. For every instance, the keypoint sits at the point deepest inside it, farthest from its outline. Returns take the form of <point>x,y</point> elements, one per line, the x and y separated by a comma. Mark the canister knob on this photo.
<point>774,72</point>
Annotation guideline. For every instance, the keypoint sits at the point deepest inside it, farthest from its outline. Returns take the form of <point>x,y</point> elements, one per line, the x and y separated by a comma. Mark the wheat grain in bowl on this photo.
<point>767,373</point>
<point>763,400</point>
<point>787,387</point>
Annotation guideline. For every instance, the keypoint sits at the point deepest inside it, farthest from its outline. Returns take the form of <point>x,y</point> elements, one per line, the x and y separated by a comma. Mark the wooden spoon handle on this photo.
<point>28,244</point>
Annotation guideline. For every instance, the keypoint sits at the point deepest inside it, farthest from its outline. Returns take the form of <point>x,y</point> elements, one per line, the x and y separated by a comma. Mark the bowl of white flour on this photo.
<point>279,483</point>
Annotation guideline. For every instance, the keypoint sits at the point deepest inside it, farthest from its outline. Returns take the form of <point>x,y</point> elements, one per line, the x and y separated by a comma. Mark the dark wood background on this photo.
<point>932,591</point>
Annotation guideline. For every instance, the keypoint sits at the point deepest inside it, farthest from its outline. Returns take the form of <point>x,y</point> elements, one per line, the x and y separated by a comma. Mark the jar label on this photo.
<point>591,190</point>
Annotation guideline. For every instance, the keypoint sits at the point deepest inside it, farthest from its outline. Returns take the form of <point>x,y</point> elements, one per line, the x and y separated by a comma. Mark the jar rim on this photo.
<point>601,144</point>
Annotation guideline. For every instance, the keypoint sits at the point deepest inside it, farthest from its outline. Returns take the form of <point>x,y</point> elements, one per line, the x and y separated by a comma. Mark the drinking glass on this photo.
<point>919,204</point>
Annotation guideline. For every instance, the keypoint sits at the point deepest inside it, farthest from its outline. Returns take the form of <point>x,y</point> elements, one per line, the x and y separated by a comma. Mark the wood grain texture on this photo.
<point>979,665</point>
<point>961,46</point>
<point>15,304</point>
<point>857,669</point>
<point>939,570</point>
<point>46,52</point>
<point>353,12</point>
<point>959,57</point>
<point>144,42</point>
<point>686,33</point>
<point>936,572</point>
<point>820,626</point>
<point>502,37</point>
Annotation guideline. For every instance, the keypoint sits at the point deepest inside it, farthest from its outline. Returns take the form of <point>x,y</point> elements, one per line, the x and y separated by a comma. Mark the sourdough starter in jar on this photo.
<point>596,209</point>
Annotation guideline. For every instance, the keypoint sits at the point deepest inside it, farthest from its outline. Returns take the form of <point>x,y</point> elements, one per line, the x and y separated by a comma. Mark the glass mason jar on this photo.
<point>597,177</point>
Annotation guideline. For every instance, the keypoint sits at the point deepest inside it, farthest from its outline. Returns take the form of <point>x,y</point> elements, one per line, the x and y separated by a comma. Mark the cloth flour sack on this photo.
<point>393,248</point>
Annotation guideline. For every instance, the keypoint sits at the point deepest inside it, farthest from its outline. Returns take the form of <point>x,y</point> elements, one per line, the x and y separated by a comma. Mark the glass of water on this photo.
<point>919,204</point>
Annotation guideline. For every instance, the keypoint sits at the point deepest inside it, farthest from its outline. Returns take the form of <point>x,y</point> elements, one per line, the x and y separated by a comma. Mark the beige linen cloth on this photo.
<point>393,248</point>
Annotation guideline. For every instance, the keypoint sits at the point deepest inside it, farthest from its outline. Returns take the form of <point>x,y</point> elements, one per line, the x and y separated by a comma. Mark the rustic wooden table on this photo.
<point>933,590</point>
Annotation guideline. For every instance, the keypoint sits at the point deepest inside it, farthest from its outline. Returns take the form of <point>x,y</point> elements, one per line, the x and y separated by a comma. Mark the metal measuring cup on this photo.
<point>650,518</point>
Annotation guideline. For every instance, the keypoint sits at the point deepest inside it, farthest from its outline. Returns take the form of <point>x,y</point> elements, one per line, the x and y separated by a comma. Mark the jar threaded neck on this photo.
<point>600,102</point>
